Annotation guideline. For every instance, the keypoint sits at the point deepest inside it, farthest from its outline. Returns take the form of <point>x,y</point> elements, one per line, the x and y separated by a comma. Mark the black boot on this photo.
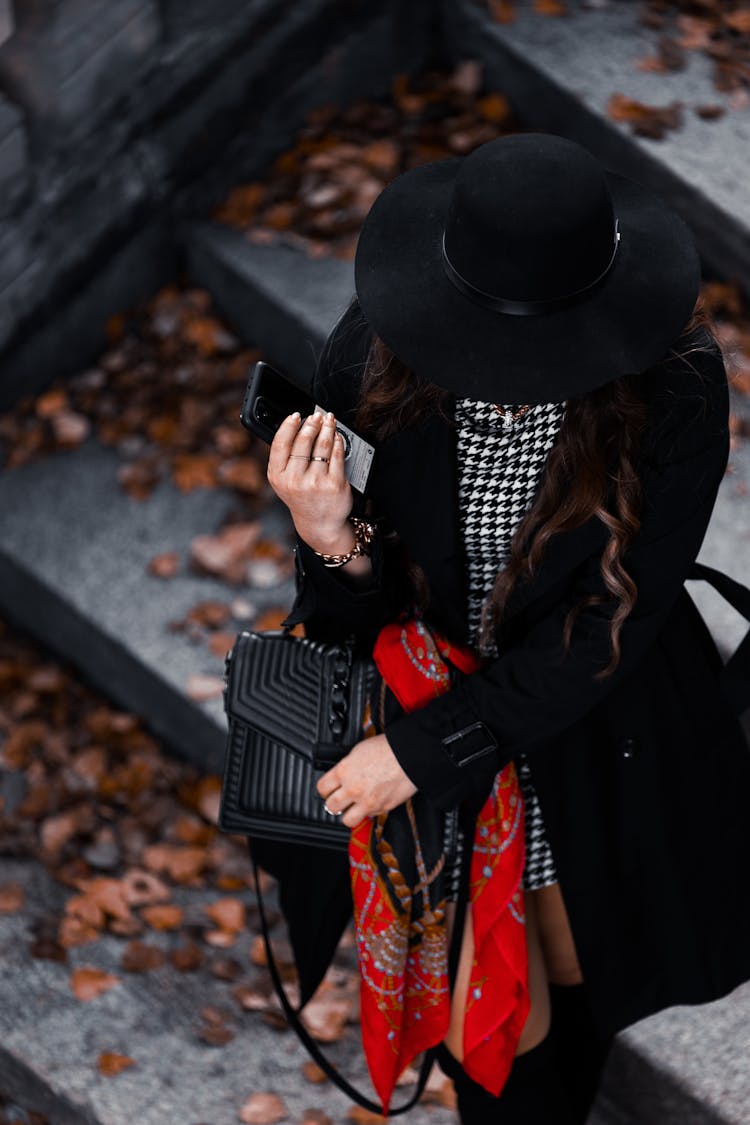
<point>581,1049</point>
<point>533,1094</point>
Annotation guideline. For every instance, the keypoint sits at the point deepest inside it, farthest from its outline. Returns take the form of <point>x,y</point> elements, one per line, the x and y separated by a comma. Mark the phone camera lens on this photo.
<point>347,442</point>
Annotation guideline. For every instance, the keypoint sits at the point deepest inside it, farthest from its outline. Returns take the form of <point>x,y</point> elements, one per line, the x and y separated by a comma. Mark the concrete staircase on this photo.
<point>74,548</point>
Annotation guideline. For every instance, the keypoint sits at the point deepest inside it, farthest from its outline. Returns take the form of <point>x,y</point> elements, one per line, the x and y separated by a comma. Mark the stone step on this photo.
<point>50,1041</point>
<point>559,74</point>
<point>73,574</point>
<point>276,296</point>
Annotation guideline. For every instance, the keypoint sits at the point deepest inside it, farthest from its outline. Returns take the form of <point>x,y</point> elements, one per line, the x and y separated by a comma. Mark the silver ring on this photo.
<point>304,455</point>
<point>319,458</point>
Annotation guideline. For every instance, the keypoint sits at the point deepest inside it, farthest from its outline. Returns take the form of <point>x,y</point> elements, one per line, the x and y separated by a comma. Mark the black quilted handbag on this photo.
<point>295,707</point>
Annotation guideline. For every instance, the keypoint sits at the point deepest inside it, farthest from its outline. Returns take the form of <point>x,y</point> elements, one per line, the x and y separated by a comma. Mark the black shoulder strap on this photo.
<point>736,673</point>
<point>293,1017</point>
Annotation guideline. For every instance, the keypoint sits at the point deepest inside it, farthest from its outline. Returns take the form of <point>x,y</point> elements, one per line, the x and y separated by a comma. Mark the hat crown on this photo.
<point>530,217</point>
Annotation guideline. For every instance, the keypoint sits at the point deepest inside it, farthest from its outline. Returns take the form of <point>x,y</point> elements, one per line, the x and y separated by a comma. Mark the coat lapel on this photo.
<point>416,487</point>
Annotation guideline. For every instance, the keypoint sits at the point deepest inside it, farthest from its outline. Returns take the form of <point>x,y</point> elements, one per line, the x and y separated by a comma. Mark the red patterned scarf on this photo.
<point>398,887</point>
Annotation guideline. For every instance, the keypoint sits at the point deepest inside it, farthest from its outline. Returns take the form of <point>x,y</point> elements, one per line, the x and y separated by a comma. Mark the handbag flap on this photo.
<point>308,695</point>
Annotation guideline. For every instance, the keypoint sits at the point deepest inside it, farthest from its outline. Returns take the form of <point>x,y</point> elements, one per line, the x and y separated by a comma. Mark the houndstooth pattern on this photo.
<point>500,467</point>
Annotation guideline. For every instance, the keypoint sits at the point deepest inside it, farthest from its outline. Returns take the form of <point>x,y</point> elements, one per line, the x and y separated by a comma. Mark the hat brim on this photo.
<point>624,325</point>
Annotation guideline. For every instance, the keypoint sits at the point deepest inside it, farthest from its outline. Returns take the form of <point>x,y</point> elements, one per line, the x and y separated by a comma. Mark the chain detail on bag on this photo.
<point>339,701</point>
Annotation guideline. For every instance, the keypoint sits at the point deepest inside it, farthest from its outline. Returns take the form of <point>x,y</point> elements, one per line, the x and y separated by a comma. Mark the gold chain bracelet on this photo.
<point>364,533</point>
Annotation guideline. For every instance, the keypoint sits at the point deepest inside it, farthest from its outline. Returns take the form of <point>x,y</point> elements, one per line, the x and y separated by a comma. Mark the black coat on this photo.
<point>643,777</point>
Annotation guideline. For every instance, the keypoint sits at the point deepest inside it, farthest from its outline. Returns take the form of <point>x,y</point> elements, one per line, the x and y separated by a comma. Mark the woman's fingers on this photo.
<point>302,446</point>
<point>338,458</point>
<point>324,441</point>
<point>281,446</point>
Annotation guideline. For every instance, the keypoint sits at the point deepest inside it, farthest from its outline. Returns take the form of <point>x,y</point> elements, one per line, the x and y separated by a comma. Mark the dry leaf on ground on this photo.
<point>227,913</point>
<point>358,1115</point>
<point>139,957</point>
<point>88,982</point>
<point>165,916</point>
<point>263,1109</point>
<point>141,888</point>
<point>315,1117</point>
<point>164,565</point>
<point>110,1063</point>
<point>200,687</point>
<point>12,898</point>
<point>187,958</point>
<point>311,1072</point>
<point>183,864</point>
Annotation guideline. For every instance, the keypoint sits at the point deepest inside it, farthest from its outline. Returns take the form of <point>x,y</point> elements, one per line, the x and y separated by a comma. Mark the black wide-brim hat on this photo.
<point>524,272</point>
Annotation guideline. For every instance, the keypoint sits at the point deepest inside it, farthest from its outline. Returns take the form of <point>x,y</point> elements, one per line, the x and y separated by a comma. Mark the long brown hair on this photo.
<point>591,470</point>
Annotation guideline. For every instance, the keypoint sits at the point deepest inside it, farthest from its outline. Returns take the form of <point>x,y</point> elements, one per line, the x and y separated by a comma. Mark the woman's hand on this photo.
<point>368,781</point>
<point>317,493</point>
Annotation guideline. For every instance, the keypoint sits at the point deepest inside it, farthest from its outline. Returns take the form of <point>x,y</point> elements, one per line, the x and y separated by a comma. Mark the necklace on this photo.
<point>508,417</point>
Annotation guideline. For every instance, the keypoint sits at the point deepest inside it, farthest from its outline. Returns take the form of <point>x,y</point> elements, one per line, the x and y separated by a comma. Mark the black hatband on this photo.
<point>522,308</point>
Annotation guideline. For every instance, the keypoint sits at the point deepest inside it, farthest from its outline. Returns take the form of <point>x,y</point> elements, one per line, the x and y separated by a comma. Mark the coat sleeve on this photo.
<point>532,690</point>
<point>327,603</point>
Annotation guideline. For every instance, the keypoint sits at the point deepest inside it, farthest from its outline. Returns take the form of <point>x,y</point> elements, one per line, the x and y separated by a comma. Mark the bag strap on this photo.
<point>309,1043</point>
<point>736,672</point>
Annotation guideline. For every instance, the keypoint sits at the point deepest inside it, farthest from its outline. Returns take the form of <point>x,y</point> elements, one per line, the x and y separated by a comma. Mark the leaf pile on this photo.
<point>317,193</point>
<point>126,830</point>
<point>166,394</point>
<point>719,29</point>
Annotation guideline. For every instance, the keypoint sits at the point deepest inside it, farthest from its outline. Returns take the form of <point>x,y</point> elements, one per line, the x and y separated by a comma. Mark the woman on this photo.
<point>550,416</point>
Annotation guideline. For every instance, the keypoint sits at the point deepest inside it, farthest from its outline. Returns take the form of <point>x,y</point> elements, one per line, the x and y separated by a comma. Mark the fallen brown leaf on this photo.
<point>325,1017</point>
<point>51,403</point>
<point>358,1115</point>
<point>110,1063</point>
<point>227,553</point>
<point>195,470</point>
<point>187,958</point>
<point>73,932</point>
<point>738,20</point>
<point>88,982</point>
<point>225,968</point>
<point>139,957</point>
<point>164,565</point>
<point>12,898</point>
<point>200,686</point>
<point>141,888</point>
<point>550,8</point>
<point>316,1117</point>
<point>167,916</point>
<point>227,913</point>
<point>311,1072</point>
<point>263,1109</point>
<point>645,120</point>
<point>70,429</point>
<point>183,864</point>
<point>215,1036</point>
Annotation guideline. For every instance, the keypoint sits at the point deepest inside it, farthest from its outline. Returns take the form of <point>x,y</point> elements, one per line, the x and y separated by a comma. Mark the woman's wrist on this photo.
<point>358,570</point>
<point>336,542</point>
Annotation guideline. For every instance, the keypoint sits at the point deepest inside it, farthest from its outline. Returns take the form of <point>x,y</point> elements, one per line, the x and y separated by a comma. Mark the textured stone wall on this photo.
<point>115,117</point>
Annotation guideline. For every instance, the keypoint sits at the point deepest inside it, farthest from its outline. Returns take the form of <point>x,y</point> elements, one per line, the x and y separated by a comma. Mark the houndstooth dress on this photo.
<point>500,466</point>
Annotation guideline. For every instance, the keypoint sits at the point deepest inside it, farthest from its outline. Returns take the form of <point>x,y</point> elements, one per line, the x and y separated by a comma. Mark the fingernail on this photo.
<point>296,415</point>
<point>329,416</point>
